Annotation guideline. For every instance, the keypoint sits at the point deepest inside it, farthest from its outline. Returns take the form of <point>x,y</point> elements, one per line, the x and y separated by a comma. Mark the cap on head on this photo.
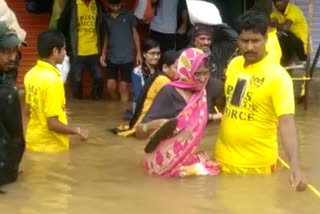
<point>201,29</point>
<point>8,37</point>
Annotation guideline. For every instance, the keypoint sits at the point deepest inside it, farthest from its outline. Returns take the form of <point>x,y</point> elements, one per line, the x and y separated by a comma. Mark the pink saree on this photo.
<point>177,156</point>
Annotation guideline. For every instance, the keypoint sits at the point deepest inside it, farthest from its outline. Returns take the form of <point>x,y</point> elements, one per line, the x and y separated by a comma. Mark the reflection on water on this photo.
<point>105,176</point>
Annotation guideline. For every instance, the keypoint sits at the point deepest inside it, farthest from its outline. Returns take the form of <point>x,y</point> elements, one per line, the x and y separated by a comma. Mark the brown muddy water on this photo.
<point>105,175</point>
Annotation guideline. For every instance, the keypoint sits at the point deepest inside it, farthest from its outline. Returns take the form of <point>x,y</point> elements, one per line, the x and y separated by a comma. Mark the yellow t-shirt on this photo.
<point>272,46</point>
<point>299,25</point>
<point>87,34</point>
<point>156,86</point>
<point>45,97</point>
<point>248,131</point>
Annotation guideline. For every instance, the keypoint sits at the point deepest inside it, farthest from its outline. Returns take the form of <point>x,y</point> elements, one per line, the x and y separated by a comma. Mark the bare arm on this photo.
<point>56,126</point>
<point>104,52</point>
<point>184,17</point>
<point>144,130</point>
<point>136,40</point>
<point>282,27</point>
<point>288,136</point>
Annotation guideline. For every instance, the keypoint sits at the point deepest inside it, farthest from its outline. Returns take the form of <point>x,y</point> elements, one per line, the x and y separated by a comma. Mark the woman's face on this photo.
<point>171,70</point>
<point>152,56</point>
<point>201,75</point>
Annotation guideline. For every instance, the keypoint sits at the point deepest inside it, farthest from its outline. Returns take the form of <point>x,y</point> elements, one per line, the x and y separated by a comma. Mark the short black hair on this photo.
<point>254,20</point>
<point>114,1</point>
<point>169,58</point>
<point>48,40</point>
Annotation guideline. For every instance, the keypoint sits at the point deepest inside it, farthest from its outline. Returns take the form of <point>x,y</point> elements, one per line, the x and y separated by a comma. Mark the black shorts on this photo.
<point>125,70</point>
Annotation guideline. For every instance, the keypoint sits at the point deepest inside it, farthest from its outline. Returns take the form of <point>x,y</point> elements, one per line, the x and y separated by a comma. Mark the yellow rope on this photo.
<point>314,190</point>
<point>301,78</point>
<point>216,109</point>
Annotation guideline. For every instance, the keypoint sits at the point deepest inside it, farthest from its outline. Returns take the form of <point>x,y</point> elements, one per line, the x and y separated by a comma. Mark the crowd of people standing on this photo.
<point>174,88</point>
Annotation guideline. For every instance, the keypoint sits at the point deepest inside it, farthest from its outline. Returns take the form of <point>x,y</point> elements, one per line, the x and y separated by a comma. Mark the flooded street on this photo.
<point>105,175</point>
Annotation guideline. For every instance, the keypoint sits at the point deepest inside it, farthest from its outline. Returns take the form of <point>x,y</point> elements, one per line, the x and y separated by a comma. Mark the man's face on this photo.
<point>203,42</point>
<point>115,8</point>
<point>59,55</point>
<point>252,46</point>
<point>281,5</point>
<point>8,58</point>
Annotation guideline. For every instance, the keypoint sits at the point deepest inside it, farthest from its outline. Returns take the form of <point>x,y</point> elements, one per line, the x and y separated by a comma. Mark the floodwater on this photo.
<point>105,175</point>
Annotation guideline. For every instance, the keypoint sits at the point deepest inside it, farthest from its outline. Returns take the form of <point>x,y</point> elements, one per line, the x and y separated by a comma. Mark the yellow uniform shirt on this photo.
<point>87,34</point>
<point>45,98</point>
<point>299,25</point>
<point>272,46</point>
<point>248,131</point>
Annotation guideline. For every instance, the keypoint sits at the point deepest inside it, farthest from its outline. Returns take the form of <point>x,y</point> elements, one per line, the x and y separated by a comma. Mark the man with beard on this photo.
<point>11,132</point>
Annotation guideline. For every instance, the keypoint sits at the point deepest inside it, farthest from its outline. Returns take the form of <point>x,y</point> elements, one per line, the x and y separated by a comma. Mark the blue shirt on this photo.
<point>119,32</point>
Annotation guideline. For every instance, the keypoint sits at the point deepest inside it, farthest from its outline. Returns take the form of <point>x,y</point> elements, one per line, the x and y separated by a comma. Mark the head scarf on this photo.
<point>188,63</point>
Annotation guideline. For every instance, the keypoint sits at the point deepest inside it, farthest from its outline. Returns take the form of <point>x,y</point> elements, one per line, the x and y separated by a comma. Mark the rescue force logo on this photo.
<point>256,82</point>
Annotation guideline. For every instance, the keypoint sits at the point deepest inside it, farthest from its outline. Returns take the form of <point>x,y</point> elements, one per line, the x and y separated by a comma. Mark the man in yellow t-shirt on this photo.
<point>293,30</point>
<point>47,129</point>
<point>259,97</point>
<point>272,45</point>
<point>81,23</point>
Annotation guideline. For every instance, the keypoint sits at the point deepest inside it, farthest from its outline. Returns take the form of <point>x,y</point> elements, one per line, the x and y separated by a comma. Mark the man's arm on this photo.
<point>288,136</point>
<point>183,27</point>
<point>56,126</point>
<point>285,26</point>
<point>104,52</point>
<point>136,40</point>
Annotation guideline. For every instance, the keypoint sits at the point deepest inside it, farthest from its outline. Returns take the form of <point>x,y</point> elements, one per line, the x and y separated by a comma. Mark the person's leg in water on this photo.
<point>96,76</point>
<point>77,65</point>
<point>125,74</point>
<point>112,74</point>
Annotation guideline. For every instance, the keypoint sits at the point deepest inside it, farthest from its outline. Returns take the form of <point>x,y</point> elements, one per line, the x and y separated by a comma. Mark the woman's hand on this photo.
<point>144,130</point>
<point>215,117</point>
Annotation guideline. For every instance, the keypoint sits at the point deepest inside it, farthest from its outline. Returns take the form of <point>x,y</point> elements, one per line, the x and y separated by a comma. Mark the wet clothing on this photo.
<point>45,98</point>
<point>256,96</point>
<point>12,142</point>
<point>124,70</point>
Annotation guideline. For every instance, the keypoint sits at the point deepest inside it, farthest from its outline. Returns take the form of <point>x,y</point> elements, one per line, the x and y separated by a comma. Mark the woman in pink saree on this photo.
<point>176,122</point>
